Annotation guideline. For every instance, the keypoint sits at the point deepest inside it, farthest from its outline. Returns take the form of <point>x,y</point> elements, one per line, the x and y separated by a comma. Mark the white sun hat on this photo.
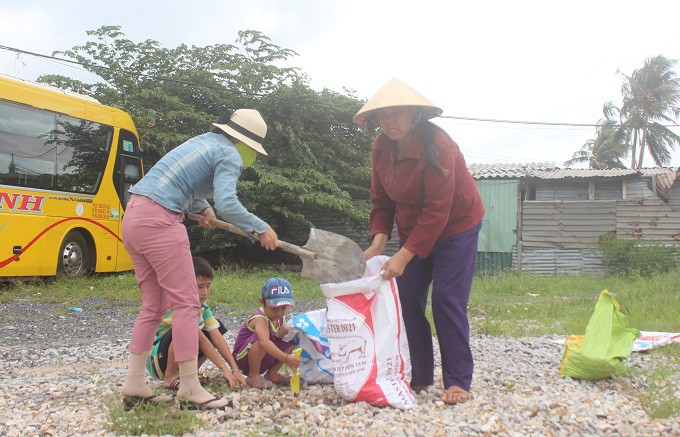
<point>248,126</point>
<point>396,93</point>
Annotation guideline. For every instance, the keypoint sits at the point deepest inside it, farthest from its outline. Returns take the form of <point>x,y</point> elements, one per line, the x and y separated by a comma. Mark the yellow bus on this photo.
<point>66,163</point>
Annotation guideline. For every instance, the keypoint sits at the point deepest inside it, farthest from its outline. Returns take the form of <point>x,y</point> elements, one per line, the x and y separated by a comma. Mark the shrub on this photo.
<point>630,257</point>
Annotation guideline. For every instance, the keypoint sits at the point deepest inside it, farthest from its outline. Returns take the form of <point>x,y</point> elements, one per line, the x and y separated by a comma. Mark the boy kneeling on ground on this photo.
<point>212,345</point>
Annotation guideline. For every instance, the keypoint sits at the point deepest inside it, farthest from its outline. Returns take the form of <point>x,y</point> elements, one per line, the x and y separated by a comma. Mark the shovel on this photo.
<point>327,257</point>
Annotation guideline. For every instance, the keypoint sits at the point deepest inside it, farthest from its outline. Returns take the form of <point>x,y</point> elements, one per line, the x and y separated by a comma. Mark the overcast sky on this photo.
<point>538,61</point>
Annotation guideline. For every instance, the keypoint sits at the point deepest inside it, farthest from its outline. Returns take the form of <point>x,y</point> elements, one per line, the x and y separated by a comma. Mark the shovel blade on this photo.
<point>338,258</point>
<point>295,379</point>
<point>295,383</point>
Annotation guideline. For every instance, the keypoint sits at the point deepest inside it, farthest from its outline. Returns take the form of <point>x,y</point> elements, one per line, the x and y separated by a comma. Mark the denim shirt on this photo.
<point>206,166</point>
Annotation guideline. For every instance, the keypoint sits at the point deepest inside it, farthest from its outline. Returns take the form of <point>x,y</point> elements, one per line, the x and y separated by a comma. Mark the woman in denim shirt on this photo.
<point>206,166</point>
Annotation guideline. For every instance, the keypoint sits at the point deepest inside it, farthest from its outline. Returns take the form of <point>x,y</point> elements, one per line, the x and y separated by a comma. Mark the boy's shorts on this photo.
<point>158,357</point>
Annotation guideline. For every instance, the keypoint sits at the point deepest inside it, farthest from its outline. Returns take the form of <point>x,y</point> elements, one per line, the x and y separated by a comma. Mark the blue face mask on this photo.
<point>248,155</point>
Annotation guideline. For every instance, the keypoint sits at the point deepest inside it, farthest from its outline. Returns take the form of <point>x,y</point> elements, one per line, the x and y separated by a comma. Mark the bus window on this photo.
<point>27,152</point>
<point>82,153</point>
<point>128,168</point>
<point>132,173</point>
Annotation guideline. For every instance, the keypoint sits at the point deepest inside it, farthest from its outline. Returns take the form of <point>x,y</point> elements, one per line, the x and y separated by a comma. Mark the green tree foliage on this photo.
<point>650,97</point>
<point>606,150</point>
<point>318,159</point>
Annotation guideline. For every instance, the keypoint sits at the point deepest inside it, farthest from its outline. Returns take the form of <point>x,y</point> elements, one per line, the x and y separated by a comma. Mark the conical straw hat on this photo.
<point>396,93</point>
<point>248,126</point>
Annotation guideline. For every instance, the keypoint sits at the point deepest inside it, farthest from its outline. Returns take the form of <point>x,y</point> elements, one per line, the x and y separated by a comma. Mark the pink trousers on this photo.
<point>159,247</point>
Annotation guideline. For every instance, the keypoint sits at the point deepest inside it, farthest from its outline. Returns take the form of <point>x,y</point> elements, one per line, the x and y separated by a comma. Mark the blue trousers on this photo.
<point>450,268</point>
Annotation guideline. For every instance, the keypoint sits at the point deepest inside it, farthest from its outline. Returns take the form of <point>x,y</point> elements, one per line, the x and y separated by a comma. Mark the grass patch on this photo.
<point>152,419</point>
<point>111,286</point>
<point>234,287</point>
<point>517,304</point>
<point>513,304</point>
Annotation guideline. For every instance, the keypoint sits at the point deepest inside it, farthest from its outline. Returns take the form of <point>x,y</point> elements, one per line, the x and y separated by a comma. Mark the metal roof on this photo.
<point>559,173</point>
<point>507,171</point>
<point>665,176</point>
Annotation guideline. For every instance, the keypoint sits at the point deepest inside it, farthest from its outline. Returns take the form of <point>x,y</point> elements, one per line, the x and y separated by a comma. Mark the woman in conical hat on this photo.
<point>205,166</point>
<point>420,178</point>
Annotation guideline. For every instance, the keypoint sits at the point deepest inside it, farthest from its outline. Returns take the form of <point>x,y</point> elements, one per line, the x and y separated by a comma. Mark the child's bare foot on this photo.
<point>171,383</point>
<point>259,381</point>
<point>278,379</point>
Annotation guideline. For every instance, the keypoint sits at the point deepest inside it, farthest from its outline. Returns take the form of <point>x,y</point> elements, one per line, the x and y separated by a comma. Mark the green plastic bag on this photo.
<point>606,344</point>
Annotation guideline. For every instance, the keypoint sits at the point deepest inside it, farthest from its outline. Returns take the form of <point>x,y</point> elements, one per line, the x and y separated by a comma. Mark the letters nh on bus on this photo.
<point>21,202</point>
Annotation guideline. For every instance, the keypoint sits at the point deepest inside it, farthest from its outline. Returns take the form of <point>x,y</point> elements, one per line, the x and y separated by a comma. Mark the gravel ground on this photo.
<point>60,370</point>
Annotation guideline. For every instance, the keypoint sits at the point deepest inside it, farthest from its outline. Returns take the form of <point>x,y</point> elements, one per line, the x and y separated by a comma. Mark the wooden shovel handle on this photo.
<point>286,247</point>
<point>220,224</point>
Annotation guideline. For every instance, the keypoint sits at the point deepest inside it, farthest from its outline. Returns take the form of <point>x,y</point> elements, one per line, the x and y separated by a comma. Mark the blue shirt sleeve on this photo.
<point>199,205</point>
<point>227,205</point>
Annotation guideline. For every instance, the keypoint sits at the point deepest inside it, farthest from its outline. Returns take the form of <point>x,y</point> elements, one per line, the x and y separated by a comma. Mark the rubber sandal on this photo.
<point>259,382</point>
<point>463,394</point>
<point>130,402</point>
<point>190,405</point>
<point>281,380</point>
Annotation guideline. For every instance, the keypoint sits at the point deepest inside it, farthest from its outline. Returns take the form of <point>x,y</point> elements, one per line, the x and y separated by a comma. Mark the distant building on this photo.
<point>556,216</point>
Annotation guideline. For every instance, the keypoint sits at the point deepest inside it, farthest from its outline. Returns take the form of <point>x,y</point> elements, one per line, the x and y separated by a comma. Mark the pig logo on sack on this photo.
<point>355,344</point>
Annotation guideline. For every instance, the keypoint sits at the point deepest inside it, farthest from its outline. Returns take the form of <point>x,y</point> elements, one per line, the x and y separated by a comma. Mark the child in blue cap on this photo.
<point>259,348</point>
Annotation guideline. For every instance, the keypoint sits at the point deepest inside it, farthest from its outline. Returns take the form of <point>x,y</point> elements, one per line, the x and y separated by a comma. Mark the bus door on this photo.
<point>128,171</point>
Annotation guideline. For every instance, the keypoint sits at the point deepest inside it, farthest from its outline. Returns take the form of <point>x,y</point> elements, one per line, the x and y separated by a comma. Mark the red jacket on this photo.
<point>428,205</point>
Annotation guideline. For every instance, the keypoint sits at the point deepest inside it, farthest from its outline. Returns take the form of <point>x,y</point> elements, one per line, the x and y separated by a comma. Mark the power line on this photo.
<point>537,123</point>
<point>541,123</point>
<point>252,94</point>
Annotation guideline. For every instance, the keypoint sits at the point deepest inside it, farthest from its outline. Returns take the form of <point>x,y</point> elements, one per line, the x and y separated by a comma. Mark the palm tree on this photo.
<point>650,101</point>
<point>607,148</point>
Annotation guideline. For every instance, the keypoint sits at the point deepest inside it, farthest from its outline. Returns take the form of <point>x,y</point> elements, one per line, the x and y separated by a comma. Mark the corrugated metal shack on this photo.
<point>503,188</point>
<point>571,208</point>
<point>548,220</point>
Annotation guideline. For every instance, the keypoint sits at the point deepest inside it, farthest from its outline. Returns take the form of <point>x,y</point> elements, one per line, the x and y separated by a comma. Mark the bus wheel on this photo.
<point>74,256</point>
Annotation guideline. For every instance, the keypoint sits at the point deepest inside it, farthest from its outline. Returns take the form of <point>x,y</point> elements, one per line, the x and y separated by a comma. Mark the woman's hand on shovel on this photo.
<point>206,216</point>
<point>268,239</point>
